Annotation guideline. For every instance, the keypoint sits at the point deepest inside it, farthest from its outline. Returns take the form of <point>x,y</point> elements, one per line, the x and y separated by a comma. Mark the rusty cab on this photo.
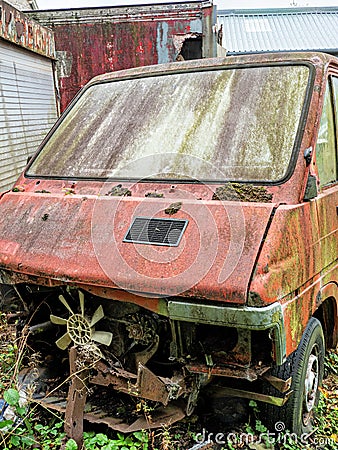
<point>176,233</point>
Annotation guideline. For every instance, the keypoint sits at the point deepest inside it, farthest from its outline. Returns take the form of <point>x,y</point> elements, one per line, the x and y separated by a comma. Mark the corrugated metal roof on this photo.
<point>21,5</point>
<point>248,31</point>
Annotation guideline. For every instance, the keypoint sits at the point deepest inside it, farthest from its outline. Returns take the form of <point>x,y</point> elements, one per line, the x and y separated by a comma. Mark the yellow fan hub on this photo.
<point>78,329</point>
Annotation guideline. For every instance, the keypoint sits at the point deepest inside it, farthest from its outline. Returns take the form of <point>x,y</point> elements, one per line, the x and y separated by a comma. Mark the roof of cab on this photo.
<point>314,58</point>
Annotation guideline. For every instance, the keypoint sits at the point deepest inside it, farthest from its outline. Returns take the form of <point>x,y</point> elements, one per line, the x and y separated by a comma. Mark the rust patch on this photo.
<point>92,41</point>
<point>77,395</point>
<point>18,188</point>
<point>119,191</point>
<point>242,193</point>
<point>145,385</point>
<point>154,195</point>
<point>173,208</point>
<point>163,415</point>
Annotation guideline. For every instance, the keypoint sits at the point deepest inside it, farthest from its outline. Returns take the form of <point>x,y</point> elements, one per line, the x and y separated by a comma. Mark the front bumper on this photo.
<point>245,317</point>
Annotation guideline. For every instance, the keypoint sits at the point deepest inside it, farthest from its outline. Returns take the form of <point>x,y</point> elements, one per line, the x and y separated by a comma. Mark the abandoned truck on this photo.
<point>176,234</point>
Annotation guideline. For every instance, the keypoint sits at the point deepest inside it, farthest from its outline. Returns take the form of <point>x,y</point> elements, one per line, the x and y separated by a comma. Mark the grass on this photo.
<point>35,428</point>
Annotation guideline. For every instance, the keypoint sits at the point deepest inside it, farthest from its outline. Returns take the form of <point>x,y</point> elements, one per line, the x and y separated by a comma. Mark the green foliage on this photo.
<point>28,430</point>
<point>12,396</point>
<point>255,409</point>
<point>327,418</point>
<point>8,352</point>
<point>49,435</point>
<point>135,441</point>
<point>331,363</point>
<point>71,445</point>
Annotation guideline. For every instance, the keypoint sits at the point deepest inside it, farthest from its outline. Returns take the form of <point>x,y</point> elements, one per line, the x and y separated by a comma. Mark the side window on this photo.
<point>326,151</point>
<point>335,105</point>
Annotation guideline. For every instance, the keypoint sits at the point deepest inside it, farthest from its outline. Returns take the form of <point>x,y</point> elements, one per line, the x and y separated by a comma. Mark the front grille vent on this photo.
<point>145,230</point>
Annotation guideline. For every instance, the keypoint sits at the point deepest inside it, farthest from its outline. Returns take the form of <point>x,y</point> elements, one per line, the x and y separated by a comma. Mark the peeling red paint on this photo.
<point>206,261</point>
<point>120,39</point>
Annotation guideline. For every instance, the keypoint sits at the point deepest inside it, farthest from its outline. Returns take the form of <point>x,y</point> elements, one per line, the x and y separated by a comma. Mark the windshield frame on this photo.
<point>243,66</point>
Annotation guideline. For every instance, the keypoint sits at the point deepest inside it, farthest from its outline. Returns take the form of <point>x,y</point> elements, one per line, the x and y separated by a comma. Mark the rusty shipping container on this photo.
<point>94,41</point>
<point>28,105</point>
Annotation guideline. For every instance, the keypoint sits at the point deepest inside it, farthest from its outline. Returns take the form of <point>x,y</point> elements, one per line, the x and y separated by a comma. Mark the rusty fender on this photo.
<point>245,317</point>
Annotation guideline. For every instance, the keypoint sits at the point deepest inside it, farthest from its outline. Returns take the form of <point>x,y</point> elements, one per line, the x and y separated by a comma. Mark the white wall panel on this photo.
<point>27,107</point>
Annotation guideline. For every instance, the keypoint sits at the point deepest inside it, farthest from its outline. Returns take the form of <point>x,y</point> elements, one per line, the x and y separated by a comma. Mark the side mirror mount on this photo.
<point>311,190</point>
<point>308,155</point>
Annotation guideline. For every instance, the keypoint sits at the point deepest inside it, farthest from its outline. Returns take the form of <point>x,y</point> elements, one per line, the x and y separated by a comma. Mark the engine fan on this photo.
<point>80,329</point>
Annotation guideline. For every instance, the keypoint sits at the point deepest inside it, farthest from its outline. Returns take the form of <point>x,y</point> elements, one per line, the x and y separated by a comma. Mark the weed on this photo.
<point>331,363</point>
<point>71,445</point>
<point>135,441</point>
<point>147,410</point>
<point>166,439</point>
<point>8,352</point>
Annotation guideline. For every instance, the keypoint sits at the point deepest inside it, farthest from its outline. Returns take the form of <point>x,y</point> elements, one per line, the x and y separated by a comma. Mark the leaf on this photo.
<point>15,440</point>
<point>28,440</point>
<point>139,435</point>
<point>6,423</point>
<point>21,411</point>
<point>11,396</point>
<point>71,445</point>
<point>101,438</point>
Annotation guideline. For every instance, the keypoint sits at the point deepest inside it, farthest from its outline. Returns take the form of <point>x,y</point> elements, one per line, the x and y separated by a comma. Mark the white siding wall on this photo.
<point>27,107</point>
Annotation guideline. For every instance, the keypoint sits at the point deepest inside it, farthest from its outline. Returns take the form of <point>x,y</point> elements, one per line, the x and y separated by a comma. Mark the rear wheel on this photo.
<point>306,367</point>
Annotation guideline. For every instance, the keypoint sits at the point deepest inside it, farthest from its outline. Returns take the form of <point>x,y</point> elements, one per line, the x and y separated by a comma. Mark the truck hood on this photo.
<point>81,240</point>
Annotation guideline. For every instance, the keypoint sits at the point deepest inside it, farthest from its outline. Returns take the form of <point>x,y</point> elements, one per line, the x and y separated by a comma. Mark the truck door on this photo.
<point>327,200</point>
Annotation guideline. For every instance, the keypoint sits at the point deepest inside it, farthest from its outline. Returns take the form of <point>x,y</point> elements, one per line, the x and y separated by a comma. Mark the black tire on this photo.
<point>306,367</point>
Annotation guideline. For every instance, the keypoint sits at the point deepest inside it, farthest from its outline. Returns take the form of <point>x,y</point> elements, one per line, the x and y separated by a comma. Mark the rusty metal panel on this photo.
<point>27,107</point>
<point>76,239</point>
<point>93,41</point>
<point>289,268</point>
<point>17,28</point>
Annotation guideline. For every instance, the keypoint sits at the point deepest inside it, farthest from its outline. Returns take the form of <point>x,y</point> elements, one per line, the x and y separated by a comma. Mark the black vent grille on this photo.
<point>144,230</point>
